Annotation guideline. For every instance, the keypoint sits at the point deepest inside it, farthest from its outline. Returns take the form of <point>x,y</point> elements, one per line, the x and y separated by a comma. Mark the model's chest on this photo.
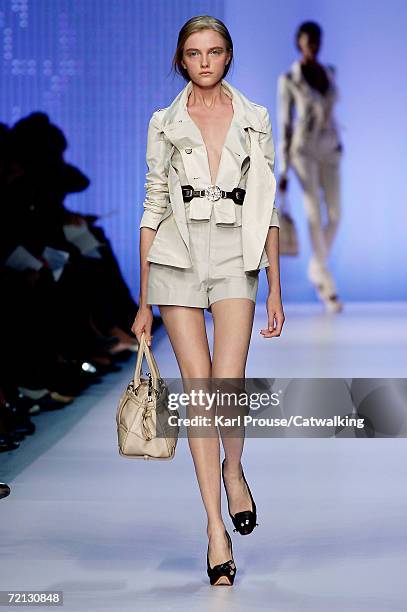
<point>213,128</point>
<point>195,163</point>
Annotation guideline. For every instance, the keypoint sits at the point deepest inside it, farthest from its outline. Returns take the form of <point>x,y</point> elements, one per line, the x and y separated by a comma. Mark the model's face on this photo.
<point>309,46</point>
<point>205,51</point>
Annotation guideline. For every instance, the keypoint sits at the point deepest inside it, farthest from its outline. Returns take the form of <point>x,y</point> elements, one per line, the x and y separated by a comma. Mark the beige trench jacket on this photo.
<point>313,130</point>
<point>173,137</point>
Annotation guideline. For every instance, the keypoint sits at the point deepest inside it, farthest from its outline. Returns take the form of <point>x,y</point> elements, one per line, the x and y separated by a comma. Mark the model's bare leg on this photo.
<point>233,324</point>
<point>187,333</point>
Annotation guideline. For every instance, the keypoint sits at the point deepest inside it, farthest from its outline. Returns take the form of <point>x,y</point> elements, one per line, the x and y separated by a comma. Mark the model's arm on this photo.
<point>156,185</point>
<point>155,204</point>
<point>285,106</point>
<point>274,305</point>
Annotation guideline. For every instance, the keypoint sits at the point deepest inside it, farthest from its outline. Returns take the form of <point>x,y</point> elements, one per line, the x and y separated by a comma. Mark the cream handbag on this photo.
<point>288,236</point>
<point>143,427</point>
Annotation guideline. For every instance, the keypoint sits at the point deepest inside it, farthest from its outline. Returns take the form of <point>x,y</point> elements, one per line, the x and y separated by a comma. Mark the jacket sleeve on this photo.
<point>156,185</point>
<point>267,146</point>
<point>285,105</point>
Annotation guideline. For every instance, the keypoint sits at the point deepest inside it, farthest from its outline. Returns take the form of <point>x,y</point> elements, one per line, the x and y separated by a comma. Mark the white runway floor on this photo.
<point>115,534</point>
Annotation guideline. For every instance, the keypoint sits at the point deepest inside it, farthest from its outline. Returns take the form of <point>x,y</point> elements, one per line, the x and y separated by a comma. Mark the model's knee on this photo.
<point>334,215</point>
<point>228,372</point>
<point>312,211</point>
<point>196,370</point>
<point>313,217</point>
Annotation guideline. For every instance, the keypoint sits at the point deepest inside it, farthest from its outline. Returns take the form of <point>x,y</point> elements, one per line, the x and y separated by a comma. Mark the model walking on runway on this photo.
<point>209,225</point>
<point>311,146</point>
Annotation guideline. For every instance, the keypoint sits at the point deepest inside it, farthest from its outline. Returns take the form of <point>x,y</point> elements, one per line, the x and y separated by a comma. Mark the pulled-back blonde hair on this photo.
<point>196,24</point>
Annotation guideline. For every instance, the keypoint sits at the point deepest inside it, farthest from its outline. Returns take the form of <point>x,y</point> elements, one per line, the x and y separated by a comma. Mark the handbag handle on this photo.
<point>282,202</point>
<point>155,372</point>
<point>285,205</point>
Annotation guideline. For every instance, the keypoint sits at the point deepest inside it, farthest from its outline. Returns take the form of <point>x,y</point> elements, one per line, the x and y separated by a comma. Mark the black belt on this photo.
<point>213,193</point>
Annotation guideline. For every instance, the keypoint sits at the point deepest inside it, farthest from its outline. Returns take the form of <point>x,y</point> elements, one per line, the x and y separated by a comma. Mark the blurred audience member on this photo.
<point>66,307</point>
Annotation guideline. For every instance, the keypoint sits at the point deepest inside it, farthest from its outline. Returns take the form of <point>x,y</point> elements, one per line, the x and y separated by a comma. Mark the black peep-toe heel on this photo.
<point>246,520</point>
<point>223,573</point>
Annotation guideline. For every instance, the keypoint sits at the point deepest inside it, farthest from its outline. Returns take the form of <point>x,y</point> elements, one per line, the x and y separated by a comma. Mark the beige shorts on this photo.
<point>217,270</point>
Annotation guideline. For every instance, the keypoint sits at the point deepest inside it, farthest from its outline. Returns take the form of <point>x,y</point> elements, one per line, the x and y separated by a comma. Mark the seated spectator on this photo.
<point>65,301</point>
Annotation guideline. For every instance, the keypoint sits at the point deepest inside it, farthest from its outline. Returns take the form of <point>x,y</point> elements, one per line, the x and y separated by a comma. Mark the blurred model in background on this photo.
<point>311,145</point>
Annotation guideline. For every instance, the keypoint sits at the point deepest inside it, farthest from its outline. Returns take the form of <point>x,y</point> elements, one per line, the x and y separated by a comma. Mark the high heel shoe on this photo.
<point>223,573</point>
<point>331,301</point>
<point>246,520</point>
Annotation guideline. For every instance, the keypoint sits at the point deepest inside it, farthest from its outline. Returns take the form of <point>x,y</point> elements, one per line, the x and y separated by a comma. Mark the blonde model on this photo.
<point>209,225</point>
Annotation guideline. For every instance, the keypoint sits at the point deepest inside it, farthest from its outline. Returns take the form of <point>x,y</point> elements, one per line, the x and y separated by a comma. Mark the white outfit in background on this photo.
<point>310,144</point>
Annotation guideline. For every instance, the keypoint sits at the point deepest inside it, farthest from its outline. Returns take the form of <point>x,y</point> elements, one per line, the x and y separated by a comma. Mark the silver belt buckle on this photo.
<point>213,193</point>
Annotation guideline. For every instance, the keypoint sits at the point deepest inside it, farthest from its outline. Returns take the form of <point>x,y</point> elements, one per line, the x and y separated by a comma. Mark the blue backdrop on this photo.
<point>99,69</point>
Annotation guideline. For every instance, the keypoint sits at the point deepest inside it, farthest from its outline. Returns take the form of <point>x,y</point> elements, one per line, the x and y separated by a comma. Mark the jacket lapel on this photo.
<point>260,186</point>
<point>181,130</point>
<point>242,139</point>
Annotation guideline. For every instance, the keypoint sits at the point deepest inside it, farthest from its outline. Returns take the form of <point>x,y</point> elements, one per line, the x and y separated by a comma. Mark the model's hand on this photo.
<point>276,316</point>
<point>143,323</point>
<point>283,183</point>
